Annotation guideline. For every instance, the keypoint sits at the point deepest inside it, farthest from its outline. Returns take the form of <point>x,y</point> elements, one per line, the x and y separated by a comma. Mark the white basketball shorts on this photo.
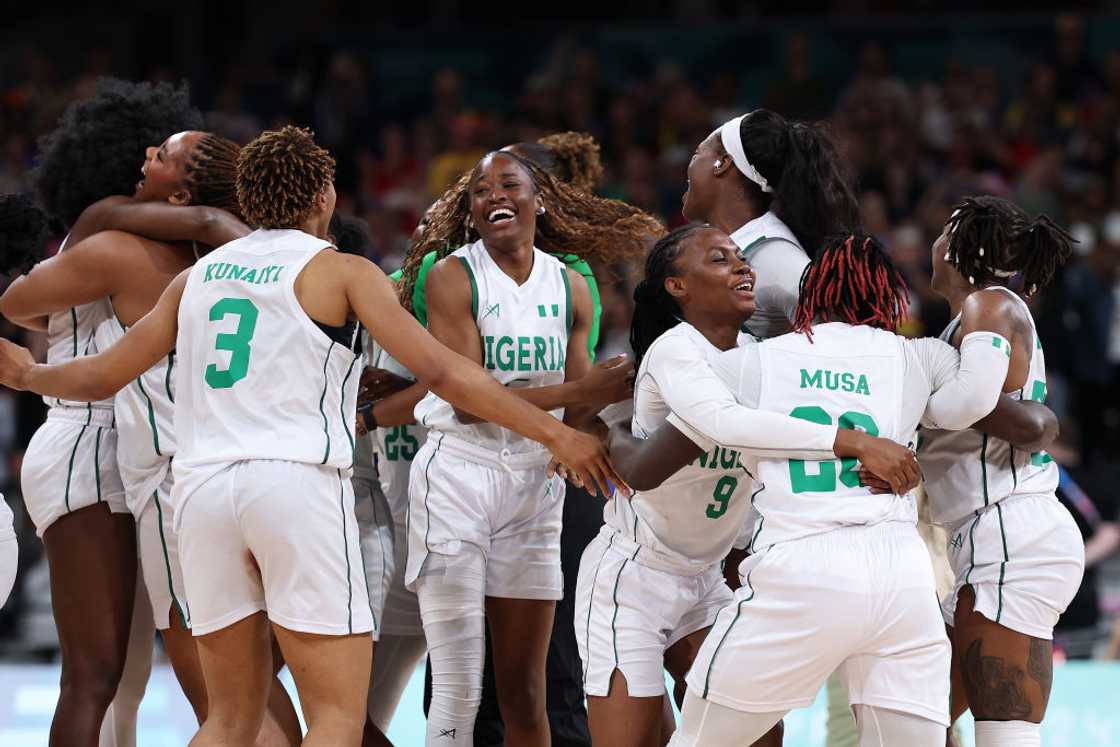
<point>159,558</point>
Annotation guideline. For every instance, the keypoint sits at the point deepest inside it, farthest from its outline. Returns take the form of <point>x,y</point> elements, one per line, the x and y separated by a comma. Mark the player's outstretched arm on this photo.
<point>645,463</point>
<point>95,377</point>
<point>460,381</point>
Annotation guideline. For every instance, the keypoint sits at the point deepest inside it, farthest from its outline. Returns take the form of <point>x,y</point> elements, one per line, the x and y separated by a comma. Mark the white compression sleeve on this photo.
<point>708,724</point>
<point>394,662</point>
<point>1008,734</point>
<point>451,590</point>
<point>882,727</point>
<point>974,388</point>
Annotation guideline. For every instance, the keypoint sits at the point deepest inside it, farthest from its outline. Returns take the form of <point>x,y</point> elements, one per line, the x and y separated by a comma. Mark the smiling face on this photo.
<point>708,163</point>
<point>712,278</point>
<point>164,169</point>
<point>503,201</point>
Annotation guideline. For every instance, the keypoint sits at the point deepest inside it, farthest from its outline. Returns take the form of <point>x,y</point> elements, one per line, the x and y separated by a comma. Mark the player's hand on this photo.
<point>877,485</point>
<point>377,383</point>
<point>607,382</point>
<point>15,362</point>
<point>891,462</point>
<point>586,457</point>
<point>556,468</point>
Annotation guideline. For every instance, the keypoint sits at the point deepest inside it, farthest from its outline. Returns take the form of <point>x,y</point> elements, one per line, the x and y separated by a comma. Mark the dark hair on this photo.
<point>350,235</point>
<point>575,222</point>
<point>211,173</point>
<point>279,175</point>
<point>989,235</point>
<point>799,162</point>
<point>571,157</point>
<point>853,280</point>
<point>655,311</point>
<point>23,233</point>
<point>98,147</point>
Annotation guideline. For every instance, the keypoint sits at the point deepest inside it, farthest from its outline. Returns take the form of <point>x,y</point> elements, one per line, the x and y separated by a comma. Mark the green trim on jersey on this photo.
<point>342,409</point>
<point>151,415</point>
<point>568,314</point>
<point>322,398</point>
<point>984,465</point>
<point>474,287</point>
<point>167,378</point>
<point>419,299</point>
<point>73,452</point>
<point>1003,565</point>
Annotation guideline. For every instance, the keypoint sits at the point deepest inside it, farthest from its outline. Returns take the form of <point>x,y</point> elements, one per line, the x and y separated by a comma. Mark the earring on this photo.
<point>716,165</point>
<point>948,257</point>
<point>540,210</point>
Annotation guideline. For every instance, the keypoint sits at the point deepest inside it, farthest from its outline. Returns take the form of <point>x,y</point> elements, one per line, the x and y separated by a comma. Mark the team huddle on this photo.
<point>312,464</point>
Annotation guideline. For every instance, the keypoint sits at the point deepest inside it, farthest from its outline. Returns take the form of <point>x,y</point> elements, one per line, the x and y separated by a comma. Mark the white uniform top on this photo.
<point>257,378</point>
<point>365,466</point>
<point>7,522</point>
<point>71,334</point>
<point>145,414</point>
<point>690,521</point>
<point>778,261</point>
<point>885,390</point>
<point>524,330</point>
<point>397,446</point>
<point>968,470</point>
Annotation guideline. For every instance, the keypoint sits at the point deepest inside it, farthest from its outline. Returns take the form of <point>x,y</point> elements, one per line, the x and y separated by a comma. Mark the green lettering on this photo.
<point>832,380</point>
<point>848,381</point>
<point>251,276</point>
<point>235,272</point>
<point>538,354</point>
<point>728,458</point>
<point>810,381</point>
<point>505,361</point>
<point>861,386</point>
<point>221,271</point>
<point>209,273</point>
<point>489,340</point>
<point>523,353</point>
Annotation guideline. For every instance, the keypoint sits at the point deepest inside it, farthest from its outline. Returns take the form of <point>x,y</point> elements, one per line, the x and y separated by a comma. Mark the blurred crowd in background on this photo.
<point>923,113</point>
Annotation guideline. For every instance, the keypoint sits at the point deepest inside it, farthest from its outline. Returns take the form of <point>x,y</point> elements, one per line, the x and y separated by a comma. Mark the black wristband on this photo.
<point>369,420</point>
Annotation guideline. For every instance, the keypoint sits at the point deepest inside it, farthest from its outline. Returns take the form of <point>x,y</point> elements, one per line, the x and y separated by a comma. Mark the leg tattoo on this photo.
<point>995,687</point>
<point>1040,664</point>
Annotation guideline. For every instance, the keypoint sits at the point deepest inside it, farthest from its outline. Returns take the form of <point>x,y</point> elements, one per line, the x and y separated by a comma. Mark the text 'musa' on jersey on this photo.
<point>850,376</point>
<point>524,332</point>
<point>967,470</point>
<point>257,378</point>
<point>72,334</point>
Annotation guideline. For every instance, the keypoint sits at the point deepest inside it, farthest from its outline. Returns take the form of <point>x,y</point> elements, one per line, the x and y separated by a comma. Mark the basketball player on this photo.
<point>1016,551</point>
<point>71,483</point>
<point>277,300</point>
<point>650,585</point>
<point>821,538</point>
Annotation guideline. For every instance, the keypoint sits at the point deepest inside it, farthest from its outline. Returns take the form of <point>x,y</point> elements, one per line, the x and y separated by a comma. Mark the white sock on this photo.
<point>1008,734</point>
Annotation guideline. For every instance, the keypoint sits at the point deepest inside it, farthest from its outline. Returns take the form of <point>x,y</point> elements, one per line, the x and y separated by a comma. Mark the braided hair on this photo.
<point>655,310</point>
<point>279,176</point>
<point>992,239</point>
<point>98,147</point>
<point>23,233</point>
<point>571,157</point>
<point>853,280</point>
<point>800,163</point>
<point>576,223</point>
<point>211,173</point>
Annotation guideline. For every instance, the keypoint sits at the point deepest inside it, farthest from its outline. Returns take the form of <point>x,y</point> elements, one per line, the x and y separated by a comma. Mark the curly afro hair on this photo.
<point>23,234</point>
<point>279,175</point>
<point>98,147</point>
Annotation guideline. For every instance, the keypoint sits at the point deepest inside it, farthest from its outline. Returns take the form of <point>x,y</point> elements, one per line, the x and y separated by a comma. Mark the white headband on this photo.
<point>733,144</point>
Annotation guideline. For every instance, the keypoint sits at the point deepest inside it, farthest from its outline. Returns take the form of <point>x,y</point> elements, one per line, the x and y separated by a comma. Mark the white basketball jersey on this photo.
<point>145,414</point>
<point>967,470</point>
<point>690,521</point>
<point>257,378</point>
<point>72,334</point>
<point>848,375</point>
<point>524,330</point>
<point>396,446</point>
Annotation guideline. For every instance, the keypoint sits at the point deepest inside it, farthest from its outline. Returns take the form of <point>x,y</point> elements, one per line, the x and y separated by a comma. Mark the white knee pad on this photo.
<point>451,590</point>
<point>395,660</point>
<point>708,724</point>
<point>882,727</point>
<point>1008,734</point>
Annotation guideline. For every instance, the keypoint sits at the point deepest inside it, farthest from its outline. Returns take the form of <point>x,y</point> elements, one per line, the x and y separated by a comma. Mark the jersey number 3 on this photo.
<point>237,342</point>
<point>825,479</point>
